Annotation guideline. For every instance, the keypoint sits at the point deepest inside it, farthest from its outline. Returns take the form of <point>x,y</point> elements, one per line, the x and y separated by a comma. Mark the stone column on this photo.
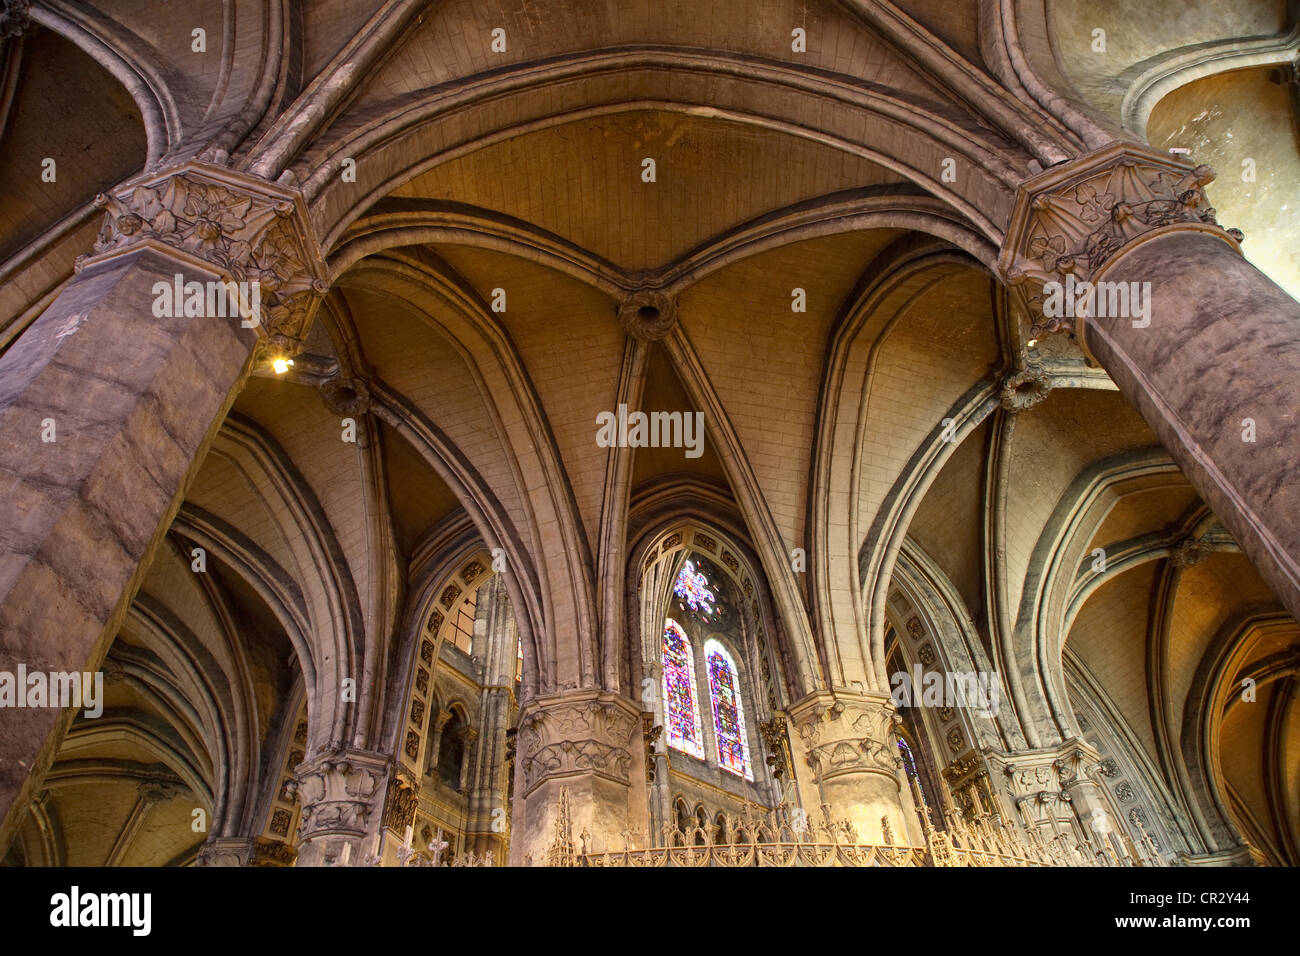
<point>468,736</point>
<point>342,795</point>
<point>485,784</point>
<point>1211,359</point>
<point>848,740</point>
<point>583,741</point>
<point>107,403</point>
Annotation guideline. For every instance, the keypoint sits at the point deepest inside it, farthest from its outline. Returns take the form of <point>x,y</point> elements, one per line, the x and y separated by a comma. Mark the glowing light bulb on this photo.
<point>281,365</point>
<point>1033,342</point>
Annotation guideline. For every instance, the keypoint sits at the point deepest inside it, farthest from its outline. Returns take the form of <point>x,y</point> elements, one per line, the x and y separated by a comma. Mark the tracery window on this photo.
<point>693,588</point>
<point>908,762</point>
<point>681,706</point>
<point>728,711</point>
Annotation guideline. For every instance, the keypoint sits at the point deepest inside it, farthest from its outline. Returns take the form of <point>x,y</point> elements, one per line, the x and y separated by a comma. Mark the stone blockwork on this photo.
<point>584,741</point>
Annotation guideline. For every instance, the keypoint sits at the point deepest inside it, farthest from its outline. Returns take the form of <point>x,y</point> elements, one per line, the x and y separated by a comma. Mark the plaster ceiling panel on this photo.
<point>571,344</point>
<point>949,523</point>
<point>418,497</point>
<point>1145,512</point>
<point>665,392</point>
<point>742,325</point>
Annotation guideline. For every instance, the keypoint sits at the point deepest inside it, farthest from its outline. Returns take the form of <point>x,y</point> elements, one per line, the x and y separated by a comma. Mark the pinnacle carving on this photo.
<point>1072,219</point>
<point>245,229</point>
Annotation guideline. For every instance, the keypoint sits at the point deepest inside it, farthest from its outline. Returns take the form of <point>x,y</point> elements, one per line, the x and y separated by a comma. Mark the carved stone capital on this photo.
<point>1072,219</point>
<point>588,732</point>
<point>648,316</point>
<point>1043,784</point>
<point>1054,769</point>
<point>340,792</point>
<point>847,734</point>
<point>245,229</point>
<point>15,20</point>
<point>225,851</point>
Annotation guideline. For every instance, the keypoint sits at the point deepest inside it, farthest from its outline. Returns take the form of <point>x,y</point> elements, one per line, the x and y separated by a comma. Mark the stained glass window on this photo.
<point>681,707</point>
<point>728,712</point>
<point>693,588</point>
<point>908,762</point>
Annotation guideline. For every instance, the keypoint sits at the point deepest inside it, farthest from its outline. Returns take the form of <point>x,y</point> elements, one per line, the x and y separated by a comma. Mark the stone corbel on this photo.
<point>845,734</point>
<point>340,793</point>
<point>587,732</point>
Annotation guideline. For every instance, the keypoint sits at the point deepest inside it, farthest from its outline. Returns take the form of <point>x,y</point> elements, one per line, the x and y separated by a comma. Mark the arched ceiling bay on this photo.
<point>1244,125</point>
<point>97,140</point>
<point>583,181</point>
<point>1139,34</point>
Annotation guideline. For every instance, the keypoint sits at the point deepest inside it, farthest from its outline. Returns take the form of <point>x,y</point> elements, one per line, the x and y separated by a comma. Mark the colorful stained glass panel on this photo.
<point>728,711</point>
<point>681,707</point>
<point>693,588</point>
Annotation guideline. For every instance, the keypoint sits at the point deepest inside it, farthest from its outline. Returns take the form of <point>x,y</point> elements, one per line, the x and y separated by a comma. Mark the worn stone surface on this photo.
<point>1219,364</point>
<point>133,400</point>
